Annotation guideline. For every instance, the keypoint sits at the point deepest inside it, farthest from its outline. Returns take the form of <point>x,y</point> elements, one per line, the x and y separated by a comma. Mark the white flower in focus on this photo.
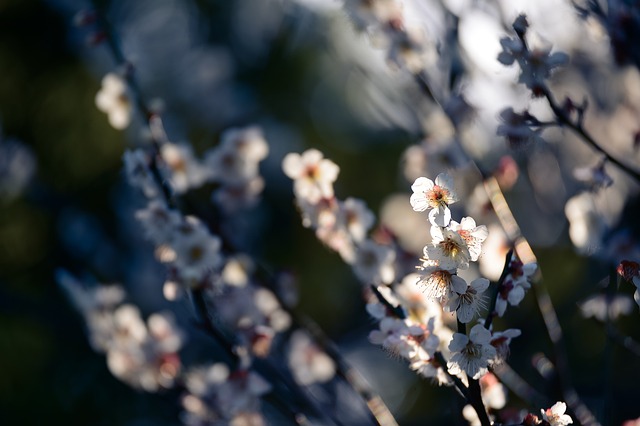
<point>439,283</point>
<point>472,235</point>
<point>468,304</point>
<point>185,171</point>
<point>435,196</point>
<point>471,354</point>
<point>313,174</point>
<point>112,99</point>
<point>374,263</point>
<point>308,363</point>
<point>556,416</point>
<point>448,249</point>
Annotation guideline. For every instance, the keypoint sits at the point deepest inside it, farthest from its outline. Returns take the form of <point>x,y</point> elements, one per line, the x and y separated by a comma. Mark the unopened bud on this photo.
<point>520,25</point>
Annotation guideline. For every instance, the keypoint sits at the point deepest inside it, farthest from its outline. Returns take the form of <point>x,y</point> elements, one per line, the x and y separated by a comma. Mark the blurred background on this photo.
<point>301,71</point>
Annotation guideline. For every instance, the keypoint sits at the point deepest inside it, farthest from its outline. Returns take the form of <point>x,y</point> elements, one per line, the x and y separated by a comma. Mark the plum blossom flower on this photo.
<point>309,364</point>
<point>113,100</point>
<point>439,283</point>
<point>313,174</point>
<point>501,341</point>
<point>394,335</point>
<point>138,173</point>
<point>535,64</point>
<point>354,215</point>
<point>183,168</point>
<point>556,415</point>
<point>234,164</point>
<point>515,285</point>
<point>217,395</point>
<point>518,128</point>
<point>448,248</point>
<point>472,235</point>
<point>374,263</point>
<point>196,251</point>
<point>471,354</point>
<point>434,196</point>
<point>236,158</point>
<point>468,304</point>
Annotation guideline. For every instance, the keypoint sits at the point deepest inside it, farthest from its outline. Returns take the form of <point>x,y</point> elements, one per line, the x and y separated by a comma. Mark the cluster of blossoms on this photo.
<point>341,225</point>
<point>409,307</point>
<point>515,284</point>
<point>554,416</point>
<point>216,395</point>
<point>410,312</point>
<point>143,355</point>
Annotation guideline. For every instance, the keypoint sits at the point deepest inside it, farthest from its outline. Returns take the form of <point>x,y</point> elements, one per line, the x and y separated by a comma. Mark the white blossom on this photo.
<point>434,196</point>
<point>184,170</point>
<point>308,363</point>
<point>471,354</point>
<point>448,248</point>
<point>439,283</point>
<point>468,304</point>
<point>374,263</point>
<point>313,174</point>
<point>556,415</point>
<point>113,100</point>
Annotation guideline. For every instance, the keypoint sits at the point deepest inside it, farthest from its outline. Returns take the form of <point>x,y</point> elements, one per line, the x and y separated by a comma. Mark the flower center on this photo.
<point>450,247</point>
<point>472,350</point>
<point>437,196</point>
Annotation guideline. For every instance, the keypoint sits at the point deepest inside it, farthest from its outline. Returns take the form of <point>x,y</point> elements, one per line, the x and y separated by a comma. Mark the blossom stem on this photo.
<point>475,399</point>
<point>494,297</point>
<point>140,103</point>
<point>471,394</point>
<point>564,119</point>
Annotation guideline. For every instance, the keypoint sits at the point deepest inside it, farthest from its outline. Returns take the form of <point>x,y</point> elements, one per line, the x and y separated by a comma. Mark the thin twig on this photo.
<point>494,297</point>
<point>565,120</point>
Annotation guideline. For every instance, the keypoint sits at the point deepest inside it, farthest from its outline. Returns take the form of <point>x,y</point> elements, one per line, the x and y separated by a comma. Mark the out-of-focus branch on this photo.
<point>564,119</point>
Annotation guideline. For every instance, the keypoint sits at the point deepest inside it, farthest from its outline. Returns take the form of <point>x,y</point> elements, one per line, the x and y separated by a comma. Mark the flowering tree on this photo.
<point>500,139</point>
